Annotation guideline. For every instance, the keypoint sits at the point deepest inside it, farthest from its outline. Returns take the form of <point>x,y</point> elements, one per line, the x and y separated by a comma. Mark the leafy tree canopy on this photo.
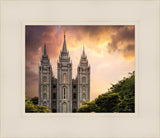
<point>89,107</point>
<point>33,108</point>
<point>119,98</point>
<point>34,100</point>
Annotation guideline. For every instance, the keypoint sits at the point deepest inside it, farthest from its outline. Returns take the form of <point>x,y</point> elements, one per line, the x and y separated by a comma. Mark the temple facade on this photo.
<point>63,94</point>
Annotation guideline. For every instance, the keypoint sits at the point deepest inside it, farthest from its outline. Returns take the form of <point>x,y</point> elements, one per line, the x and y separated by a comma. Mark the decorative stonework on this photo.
<point>63,94</point>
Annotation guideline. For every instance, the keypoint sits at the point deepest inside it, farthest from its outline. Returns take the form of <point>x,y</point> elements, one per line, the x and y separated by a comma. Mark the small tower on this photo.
<point>83,76</point>
<point>64,81</point>
<point>45,76</point>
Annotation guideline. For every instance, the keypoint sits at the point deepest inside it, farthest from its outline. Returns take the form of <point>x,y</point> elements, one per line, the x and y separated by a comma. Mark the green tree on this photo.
<point>31,108</point>
<point>119,98</point>
<point>89,107</point>
<point>34,100</point>
<point>108,102</point>
<point>126,91</point>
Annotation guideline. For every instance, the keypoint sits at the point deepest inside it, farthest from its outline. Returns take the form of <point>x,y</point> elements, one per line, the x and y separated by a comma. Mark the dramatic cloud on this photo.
<point>123,41</point>
<point>110,51</point>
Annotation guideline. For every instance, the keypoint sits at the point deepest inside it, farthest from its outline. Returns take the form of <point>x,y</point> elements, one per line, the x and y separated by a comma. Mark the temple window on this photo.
<point>84,89</point>
<point>64,107</point>
<point>64,78</point>
<point>64,92</point>
<point>54,95</point>
<point>74,96</point>
<point>84,97</point>
<point>54,86</point>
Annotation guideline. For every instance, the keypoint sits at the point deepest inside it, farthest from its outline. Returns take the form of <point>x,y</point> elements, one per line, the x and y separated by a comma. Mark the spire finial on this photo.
<point>83,50</point>
<point>64,44</point>
<point>45,49</point>
<point>64,32</point>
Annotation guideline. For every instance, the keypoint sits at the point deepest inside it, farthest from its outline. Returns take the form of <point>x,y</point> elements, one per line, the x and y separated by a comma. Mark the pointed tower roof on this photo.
<point>83,54</point>
<point>45,53</point>
<point>64,54</point>
<point>64,44</point>
<point>83,60</point>
<point>45,59</point>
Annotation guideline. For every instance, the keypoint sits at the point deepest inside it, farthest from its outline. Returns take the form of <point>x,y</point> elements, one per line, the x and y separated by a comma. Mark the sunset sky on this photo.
<point>109,49</point>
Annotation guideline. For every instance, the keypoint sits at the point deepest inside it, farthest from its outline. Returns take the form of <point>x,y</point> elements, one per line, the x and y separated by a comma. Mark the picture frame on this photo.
<point>16,14</point>
<point>74,23</point>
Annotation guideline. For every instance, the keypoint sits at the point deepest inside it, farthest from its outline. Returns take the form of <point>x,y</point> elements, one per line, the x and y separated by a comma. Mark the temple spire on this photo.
<point>45,49</point>
<point>83,53</point>
<point>64,44</point>
<point>83,47</point>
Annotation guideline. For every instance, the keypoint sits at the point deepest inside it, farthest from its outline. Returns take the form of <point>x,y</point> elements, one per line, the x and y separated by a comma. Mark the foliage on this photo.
<point>89,107</point>
<point>119,98</point>
<point>34,100</point>
<point>31,108</point>
<point>107,102</point>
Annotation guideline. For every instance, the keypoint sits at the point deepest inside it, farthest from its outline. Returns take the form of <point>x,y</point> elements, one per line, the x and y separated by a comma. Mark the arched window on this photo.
<point>84,97</point>
<point>64,92</point>
<point>54,95</point>
<point>84,80</point>
<point>74,103</point>
<point>45,104</point>
<point>45,96</point>
<point>64,107</point>
<point>64,78</point>
<point>84,89</point>
<point>54,103</point>
<point>74,96</point>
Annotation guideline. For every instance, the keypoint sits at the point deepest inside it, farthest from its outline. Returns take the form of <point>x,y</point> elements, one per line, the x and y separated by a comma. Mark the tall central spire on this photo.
<point>64,44</point>
<point>45,49</point>
<point>83,51</point>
